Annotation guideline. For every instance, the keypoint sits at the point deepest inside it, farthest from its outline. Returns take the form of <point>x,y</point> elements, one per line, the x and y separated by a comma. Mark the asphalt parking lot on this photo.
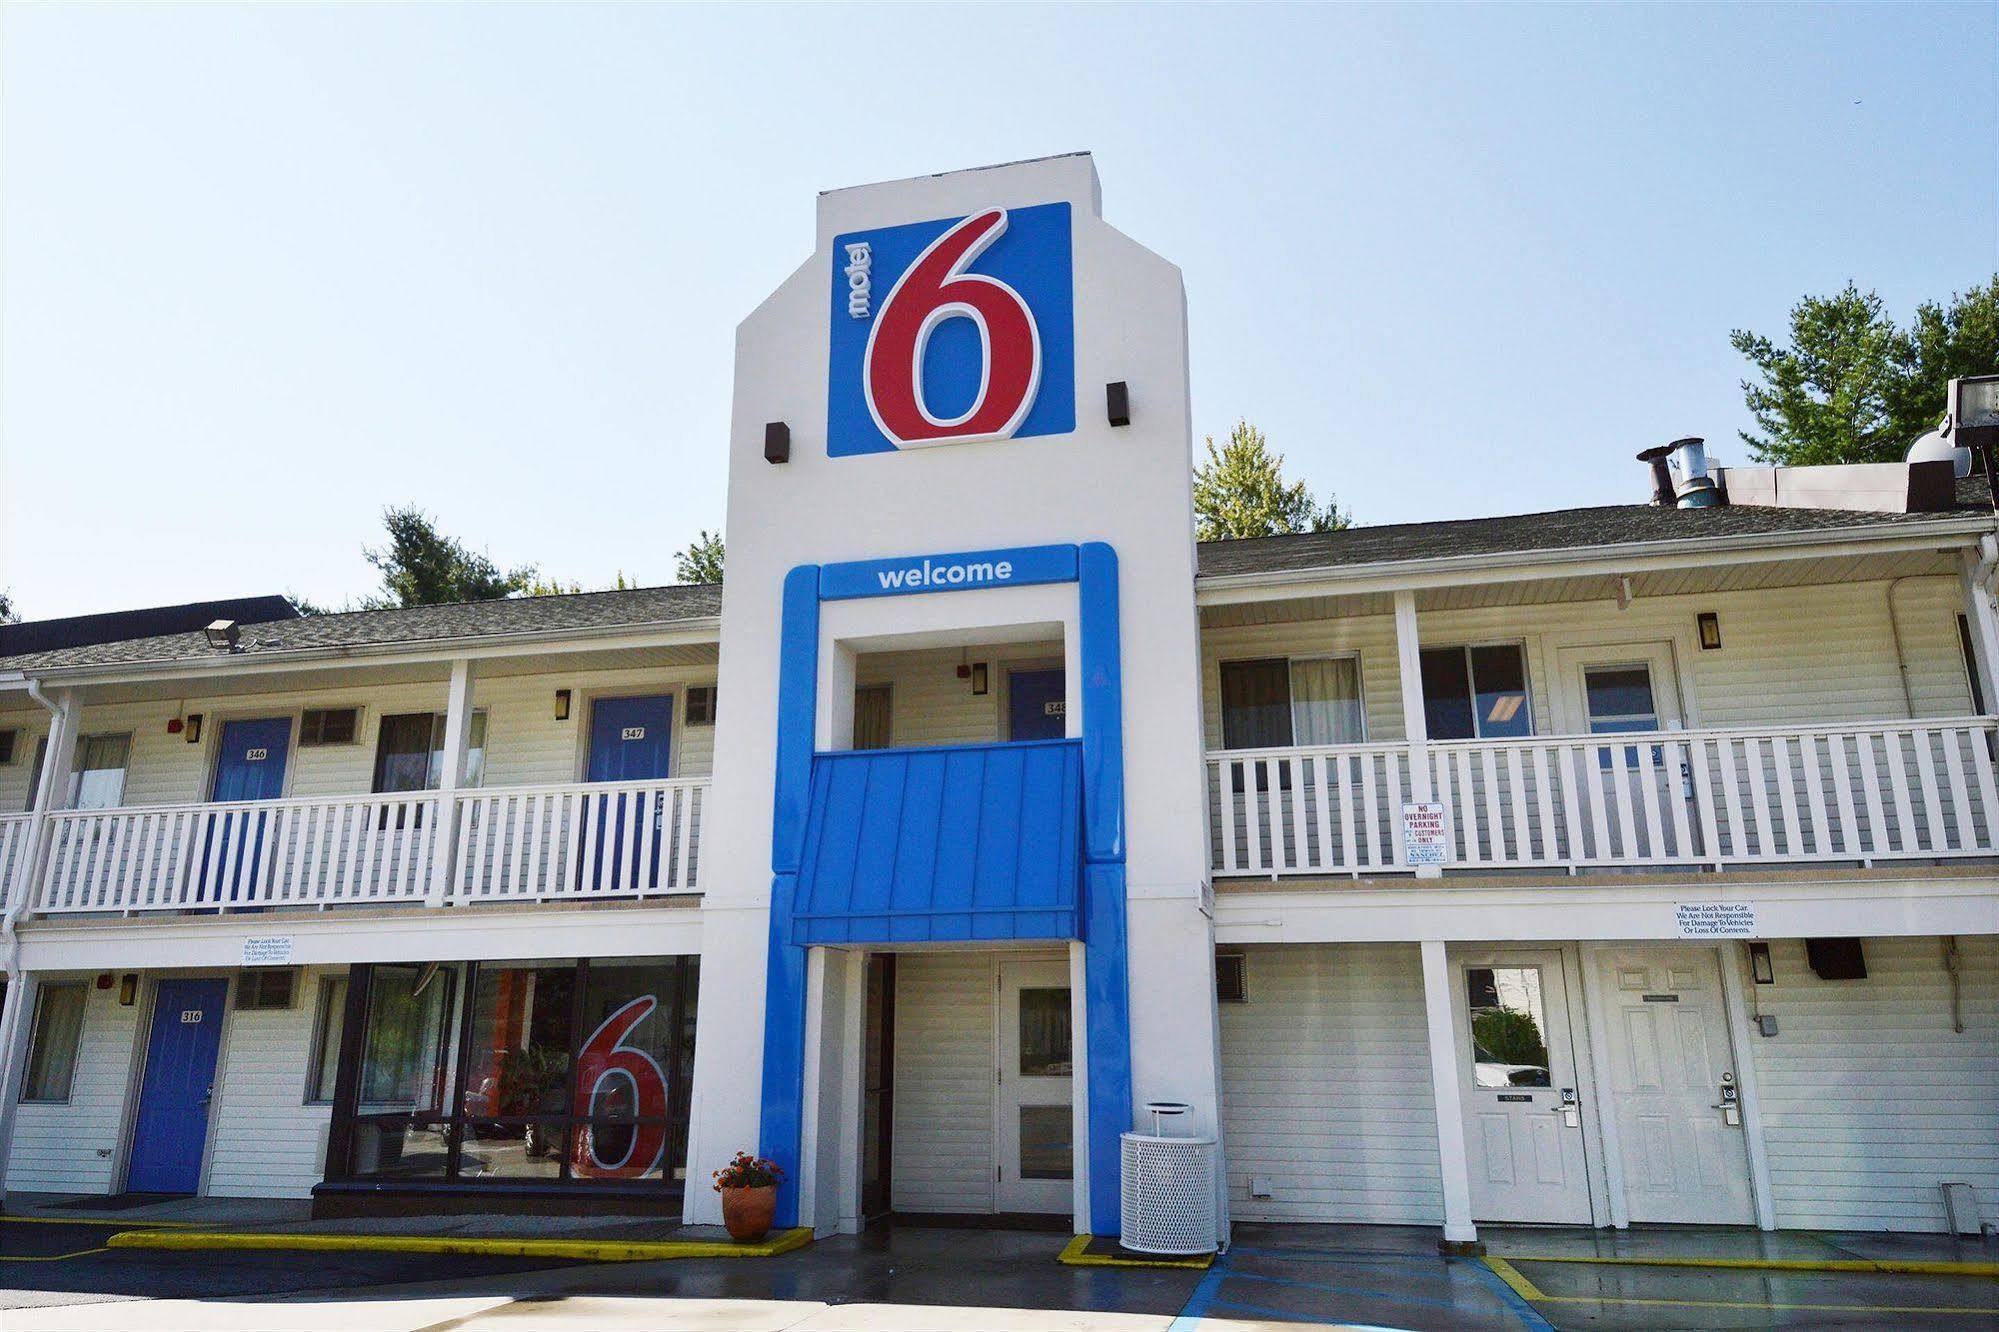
<point>61,1276</point>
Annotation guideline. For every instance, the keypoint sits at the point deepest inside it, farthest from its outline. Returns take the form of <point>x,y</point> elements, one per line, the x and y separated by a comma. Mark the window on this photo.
<point>872,717</point>
<point>99,779</point>
<point>701,705</point>
<point>1476,692</point>
<point>327,1028</point>
<point>1278,701</point>
<point>267,988</point>
<point>52,1053</point>
<point>562,1071</point>
<point>1619,699</point>
<point>1508,1027</point>
<point>328,726</point>
<point>1231,978</point>
<point>9,742</point>
<point>1971,665</point>
<point>409,755</point>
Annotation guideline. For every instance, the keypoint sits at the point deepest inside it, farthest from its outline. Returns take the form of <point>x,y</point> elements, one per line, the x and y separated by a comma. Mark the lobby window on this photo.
<point>1476,692</point>
<point>52,1050</point>
<point>538,1073</point>
<point>1277,701</point>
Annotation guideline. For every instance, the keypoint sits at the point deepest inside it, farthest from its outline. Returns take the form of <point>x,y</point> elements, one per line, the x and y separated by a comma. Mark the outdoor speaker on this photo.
<point>1117,403</point>
<point>777,442</point>
<point>1836,959</point>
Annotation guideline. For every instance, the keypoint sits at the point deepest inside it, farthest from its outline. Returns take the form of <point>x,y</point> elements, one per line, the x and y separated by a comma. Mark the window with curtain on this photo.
<point>1277,701</point>
<point>1476,692</point>
<point>409,753</point>
<point>53,1047</point>
<point>98,781</point>
<point>872,715</point>
<point>328,1025</point>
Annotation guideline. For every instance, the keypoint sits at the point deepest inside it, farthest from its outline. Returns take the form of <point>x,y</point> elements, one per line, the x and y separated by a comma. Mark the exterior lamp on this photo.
<point>562,705</point>
<point>1974,420</point>
<point>1760,969</point>
<point>222,634</point>
<point>1710,627</point>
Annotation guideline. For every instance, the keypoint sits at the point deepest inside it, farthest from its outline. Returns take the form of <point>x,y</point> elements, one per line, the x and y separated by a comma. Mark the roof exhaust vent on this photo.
<point>1662,478</point>
<point>1686,482</point>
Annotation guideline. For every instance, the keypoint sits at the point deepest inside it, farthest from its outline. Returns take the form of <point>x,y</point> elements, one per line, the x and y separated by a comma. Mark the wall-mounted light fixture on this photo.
<point>1710,624</point>
<point>562,705</point>
<point>191,732</point>
<point>222,634</point>
<point>1760,968</point>
<point>979,677</point>
<point>1117,403</point>
<point>777,442</point>
<point>128,989</point>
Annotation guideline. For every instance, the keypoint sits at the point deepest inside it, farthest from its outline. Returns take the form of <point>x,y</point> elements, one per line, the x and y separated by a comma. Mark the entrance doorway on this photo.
<point>170,1131</point>
<point>1522,1099</point>
<point>1036,1129</point>
<point>1036,705</point>
<point>1672,1083</point>
<point>878,1088</point>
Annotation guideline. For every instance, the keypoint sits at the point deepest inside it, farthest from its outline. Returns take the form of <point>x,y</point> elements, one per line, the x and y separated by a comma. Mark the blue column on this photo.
<point>1107,986</point>
<point>784,997</point>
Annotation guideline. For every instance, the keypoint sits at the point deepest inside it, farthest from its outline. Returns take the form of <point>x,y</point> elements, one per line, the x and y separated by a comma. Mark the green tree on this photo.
<point>1945,342</point>
<point>420,566</point>
<point>8,615</point>
<point>701,561</point>
<point>1240,491</point>
<point>1850,386</point>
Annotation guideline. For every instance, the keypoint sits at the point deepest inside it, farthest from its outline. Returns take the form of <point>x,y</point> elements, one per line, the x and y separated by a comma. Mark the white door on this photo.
<point>1522,1103</point>
<point>1036,1119</point>
<point>1672,1082</point>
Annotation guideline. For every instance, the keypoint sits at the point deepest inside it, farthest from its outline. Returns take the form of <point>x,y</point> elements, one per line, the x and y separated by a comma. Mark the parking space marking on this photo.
<point>1894,1266</point>
<point>1527,1290</point>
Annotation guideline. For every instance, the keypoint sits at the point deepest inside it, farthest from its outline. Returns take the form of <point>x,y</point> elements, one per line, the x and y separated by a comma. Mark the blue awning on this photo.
<point>954,843</point>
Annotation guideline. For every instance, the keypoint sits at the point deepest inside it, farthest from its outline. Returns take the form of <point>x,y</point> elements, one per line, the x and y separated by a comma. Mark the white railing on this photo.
<point>1904,790</point>
<point>13,843</point>
<point>612,839</point>
<point>622,839</point>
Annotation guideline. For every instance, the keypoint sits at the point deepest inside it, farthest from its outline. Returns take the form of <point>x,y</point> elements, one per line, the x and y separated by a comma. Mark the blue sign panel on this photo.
<point>952,331</point>
<point>1021,566</point>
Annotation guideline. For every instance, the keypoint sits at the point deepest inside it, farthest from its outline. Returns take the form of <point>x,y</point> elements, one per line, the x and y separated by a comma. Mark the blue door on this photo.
<point>249,765</point>
<point>631,740</point>
<point>172,1124</point>
<point>1035,705</point>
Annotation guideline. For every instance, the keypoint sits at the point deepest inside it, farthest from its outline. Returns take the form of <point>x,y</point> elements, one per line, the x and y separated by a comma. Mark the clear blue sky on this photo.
<point>269,269</point>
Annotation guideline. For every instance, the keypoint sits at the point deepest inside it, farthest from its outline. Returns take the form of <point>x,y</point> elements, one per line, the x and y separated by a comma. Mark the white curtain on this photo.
<point>1325,702</point>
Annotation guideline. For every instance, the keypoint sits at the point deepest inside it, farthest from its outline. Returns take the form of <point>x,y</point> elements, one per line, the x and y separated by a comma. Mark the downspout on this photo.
<point>1901,656</point>
<point>10,943</point>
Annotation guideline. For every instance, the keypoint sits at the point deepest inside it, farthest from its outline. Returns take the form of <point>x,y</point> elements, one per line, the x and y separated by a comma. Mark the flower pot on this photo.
<point>748,1212</point>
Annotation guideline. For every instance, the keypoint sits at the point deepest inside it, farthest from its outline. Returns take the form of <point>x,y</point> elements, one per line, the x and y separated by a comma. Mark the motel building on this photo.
<point>1600,867</point>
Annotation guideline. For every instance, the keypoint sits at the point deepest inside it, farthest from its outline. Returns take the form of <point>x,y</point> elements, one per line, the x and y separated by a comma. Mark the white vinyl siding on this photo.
<point>1869,1099</point>
<point>75,1147</point>
<point>932,706</point>
<point>267,1143</point>
<point>1789,656</point>
<point>1326,1087</point>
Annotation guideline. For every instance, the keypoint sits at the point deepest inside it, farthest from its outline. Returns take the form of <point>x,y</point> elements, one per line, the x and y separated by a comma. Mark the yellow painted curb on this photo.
<point>1073,1253</point>
<point>595,1251</point>
<point>1896,1266</point>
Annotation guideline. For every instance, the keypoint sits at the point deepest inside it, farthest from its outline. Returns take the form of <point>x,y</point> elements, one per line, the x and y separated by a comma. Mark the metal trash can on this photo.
<point>1168,1190</point>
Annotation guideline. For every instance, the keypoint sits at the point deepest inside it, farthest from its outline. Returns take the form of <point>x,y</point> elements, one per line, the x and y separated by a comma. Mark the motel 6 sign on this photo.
<point>952,331</point>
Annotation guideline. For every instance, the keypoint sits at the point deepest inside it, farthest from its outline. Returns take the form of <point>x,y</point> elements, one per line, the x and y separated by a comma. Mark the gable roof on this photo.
<point>632,608</point>
<point>1555,531</point>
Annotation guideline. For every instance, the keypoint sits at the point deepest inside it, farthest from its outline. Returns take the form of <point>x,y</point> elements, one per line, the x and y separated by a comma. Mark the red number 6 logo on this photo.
<point>606,1067</point>
<point>937,288</point>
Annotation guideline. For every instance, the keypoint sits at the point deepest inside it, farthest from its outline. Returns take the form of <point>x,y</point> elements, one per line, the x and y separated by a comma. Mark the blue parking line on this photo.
<point>1196,1309</point>
<point>1292,1316</point>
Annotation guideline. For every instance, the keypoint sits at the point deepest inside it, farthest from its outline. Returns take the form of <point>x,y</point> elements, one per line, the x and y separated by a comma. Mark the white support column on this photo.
<point>457,747</point>
<point>15,1025</point>
<point>1734,960</point>
<point>1979,613</point>
<point>52,793</point>
<point>1415,726</point>
<point>1452,1163</point>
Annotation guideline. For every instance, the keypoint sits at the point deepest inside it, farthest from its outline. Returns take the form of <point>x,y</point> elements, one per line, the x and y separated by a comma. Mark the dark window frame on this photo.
<point>38,1034</point>
<point>1431,657</point>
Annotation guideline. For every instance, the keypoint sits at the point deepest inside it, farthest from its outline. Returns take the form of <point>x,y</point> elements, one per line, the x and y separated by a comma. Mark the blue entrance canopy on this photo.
<point>963,842</point>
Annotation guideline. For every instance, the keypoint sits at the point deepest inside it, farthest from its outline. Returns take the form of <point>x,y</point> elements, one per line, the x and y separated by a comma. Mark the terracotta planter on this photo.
<point>748,1212</point>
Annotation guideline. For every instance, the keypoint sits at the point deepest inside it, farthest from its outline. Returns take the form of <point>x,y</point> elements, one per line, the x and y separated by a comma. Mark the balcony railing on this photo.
<point>1902,790</point>
<point>575,841</point>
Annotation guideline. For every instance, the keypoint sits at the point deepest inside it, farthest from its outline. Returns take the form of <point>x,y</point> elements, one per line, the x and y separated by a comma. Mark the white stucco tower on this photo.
<point>962,421</point>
